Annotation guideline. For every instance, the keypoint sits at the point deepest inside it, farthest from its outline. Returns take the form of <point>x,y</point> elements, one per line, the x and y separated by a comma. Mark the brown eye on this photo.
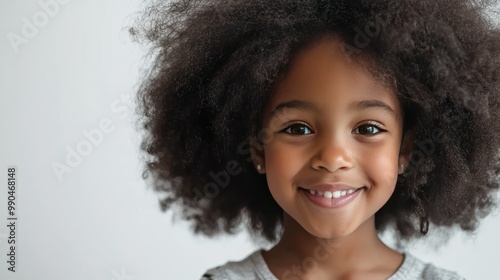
<point>298,129</point>
<point>368,130</point>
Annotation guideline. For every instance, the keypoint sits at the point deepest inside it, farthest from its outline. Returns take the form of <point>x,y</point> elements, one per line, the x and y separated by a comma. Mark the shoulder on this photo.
<point>415,269</point>
<point>251,267</point>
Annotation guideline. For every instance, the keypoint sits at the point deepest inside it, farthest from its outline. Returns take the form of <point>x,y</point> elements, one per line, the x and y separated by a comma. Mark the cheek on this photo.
<point>282,164</point>
<point>277,161</point>
<point>381,165</point>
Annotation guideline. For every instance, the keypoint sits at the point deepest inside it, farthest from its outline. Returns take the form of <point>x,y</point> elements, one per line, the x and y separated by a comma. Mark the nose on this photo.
<point>332,154</point>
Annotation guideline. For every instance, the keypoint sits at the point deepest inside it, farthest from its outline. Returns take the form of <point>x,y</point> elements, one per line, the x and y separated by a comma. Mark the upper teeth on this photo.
<point>335,194</point>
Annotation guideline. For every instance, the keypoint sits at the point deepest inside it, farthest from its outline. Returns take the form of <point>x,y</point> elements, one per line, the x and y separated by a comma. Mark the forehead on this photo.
<point>325,71</point>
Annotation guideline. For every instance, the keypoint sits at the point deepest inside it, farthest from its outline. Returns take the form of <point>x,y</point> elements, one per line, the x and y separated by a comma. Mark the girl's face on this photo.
<point>331,128</point>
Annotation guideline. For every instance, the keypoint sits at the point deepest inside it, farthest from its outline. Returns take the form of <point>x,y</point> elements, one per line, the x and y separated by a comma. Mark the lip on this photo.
<point>332,203</point>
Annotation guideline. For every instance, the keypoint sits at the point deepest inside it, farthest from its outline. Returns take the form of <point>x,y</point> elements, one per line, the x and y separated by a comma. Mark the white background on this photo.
<point>100,221</point>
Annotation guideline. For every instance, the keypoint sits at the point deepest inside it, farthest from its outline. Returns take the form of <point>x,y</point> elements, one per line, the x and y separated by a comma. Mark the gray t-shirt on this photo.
<point>254,267</point>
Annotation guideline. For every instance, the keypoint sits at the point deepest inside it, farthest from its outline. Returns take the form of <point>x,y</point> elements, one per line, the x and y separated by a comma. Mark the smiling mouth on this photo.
<point>335,194</point>
<point>328,199</point>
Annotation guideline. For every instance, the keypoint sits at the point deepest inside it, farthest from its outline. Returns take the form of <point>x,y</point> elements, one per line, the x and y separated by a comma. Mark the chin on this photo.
<point>329,233</point>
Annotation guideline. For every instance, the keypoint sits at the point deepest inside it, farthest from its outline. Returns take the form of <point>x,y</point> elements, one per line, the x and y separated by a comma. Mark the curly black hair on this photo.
<point>214,66</point>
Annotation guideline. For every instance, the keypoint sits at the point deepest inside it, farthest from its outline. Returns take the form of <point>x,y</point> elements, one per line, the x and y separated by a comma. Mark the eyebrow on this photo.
<point>354,106</point>
<point>295,104</point>
<point>366,104</point>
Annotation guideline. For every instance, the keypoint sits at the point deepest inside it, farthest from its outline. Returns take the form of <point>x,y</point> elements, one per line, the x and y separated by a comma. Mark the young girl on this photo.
<point>320,124</point>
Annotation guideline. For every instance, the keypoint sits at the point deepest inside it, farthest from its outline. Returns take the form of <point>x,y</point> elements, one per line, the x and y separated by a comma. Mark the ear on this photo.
<point>405,150</point>
<point>257,154</point>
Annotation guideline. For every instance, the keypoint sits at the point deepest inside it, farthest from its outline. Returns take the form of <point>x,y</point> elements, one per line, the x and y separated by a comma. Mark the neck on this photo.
<point>299,252</point>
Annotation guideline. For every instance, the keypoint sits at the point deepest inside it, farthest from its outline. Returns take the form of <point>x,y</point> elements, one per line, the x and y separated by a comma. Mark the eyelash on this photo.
<point>298,124</point>
<point>370,124</point>
<point>287,130</point>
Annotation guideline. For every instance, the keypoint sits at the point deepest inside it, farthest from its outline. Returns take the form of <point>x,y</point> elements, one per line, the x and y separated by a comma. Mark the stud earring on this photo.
<point>258,167</point>
<point>401,168</point>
